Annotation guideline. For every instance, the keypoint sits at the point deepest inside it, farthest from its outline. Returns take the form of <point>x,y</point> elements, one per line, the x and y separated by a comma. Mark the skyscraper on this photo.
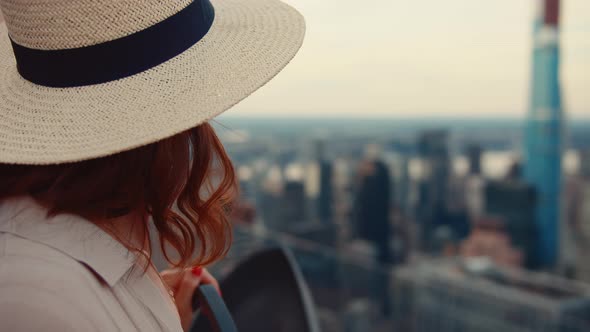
<point>544,129</point>
<point>325,194</point>
<point>514,203</point>
<point>293,202</point>
<point>372,219</point>
<point>372,206</point>
<point>474,152</point>
<point>585,164</point>
<point>431,208</point>
<point>324,202</point>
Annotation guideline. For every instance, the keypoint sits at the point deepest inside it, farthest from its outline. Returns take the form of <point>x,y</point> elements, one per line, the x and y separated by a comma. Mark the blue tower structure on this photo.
<point>544,131</point>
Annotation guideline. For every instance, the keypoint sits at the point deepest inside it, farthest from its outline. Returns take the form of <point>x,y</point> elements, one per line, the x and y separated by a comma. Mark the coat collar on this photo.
<point>69,234</point>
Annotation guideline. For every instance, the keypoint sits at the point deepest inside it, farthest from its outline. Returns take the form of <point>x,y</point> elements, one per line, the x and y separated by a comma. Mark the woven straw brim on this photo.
<point>249,43</point>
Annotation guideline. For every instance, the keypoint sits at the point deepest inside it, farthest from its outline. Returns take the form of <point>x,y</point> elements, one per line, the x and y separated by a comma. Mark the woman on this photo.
<point>104,144</point>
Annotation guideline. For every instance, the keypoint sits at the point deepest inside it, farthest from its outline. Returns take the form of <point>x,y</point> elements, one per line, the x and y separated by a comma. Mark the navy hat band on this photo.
<point>119,58</point>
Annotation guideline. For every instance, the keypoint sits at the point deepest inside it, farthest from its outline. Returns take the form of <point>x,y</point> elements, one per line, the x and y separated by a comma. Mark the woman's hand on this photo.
<point>183,284</point>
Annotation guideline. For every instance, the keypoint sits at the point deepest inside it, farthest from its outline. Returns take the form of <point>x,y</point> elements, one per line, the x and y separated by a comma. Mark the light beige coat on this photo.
<point>66,274</point>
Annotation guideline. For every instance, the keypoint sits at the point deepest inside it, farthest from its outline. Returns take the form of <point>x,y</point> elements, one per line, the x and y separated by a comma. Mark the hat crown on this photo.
<point>65,24</point>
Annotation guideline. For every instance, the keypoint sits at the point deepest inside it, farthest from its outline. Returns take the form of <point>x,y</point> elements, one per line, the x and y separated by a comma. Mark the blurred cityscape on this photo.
<point>444,224</point>
<point>391,215</point>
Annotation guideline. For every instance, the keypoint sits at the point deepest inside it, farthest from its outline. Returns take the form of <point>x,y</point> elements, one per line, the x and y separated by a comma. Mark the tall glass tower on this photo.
<point>544,131</point>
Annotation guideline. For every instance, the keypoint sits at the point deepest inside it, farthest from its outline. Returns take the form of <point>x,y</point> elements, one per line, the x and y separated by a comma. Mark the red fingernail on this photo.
<point>197,271</point>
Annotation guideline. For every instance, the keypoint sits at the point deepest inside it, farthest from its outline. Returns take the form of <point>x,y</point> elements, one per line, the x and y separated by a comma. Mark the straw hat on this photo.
<point>97,77</point>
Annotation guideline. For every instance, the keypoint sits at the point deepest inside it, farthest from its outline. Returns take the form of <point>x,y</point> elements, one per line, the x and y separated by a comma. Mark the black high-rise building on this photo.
<point>585,163</point>
<point>372,220</point>
<point>431,209</point>
<point>325,195</point>
<point>515,202</point>
<point>402,187</point>
<point>293,202</point>
<point>372,207</point>
<point>474,152</point>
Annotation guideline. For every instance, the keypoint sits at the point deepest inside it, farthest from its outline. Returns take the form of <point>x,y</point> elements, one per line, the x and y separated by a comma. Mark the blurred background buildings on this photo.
<point>383,216</point>
<point>455,224</point>
<point>430,223</point>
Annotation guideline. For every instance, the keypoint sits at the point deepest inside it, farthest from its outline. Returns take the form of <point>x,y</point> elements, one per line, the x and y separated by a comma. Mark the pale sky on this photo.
<point>420,58</point>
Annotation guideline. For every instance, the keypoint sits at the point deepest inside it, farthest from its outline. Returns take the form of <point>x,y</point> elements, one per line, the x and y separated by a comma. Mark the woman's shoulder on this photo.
<point>40,285</point>
<point>25,260</point>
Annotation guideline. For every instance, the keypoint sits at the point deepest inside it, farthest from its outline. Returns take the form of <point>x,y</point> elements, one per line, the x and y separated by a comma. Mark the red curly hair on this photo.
<point>186,183</point>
